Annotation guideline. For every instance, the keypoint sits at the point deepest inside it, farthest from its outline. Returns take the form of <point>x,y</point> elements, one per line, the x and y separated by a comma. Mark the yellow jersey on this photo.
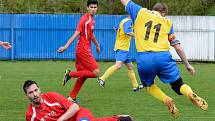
<point>122,38</point>
<point>150,28</point>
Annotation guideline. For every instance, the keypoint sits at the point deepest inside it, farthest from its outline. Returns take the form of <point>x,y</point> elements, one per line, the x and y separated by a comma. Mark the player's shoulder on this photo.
<point>50,94</point>
<point>167,21</point>
<point>156,14</point>
<point>85,16</point>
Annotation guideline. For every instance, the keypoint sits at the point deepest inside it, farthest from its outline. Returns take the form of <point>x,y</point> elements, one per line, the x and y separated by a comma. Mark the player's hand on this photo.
<point>98,49</point>
<point>6,45</point>
<point>61,49</point>
<point>191,69</point>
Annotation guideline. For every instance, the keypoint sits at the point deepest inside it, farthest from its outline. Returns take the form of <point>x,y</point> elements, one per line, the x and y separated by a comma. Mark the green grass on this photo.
<point>116,98</point>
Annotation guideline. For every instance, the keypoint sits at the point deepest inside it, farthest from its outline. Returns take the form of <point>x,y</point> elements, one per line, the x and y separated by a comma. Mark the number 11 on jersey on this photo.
<point>157,27</point>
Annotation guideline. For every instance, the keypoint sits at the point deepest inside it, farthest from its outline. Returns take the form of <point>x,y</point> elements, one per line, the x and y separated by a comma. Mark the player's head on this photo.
<point>32,91</point>
<point>161,8</point>
<point>92,6</point>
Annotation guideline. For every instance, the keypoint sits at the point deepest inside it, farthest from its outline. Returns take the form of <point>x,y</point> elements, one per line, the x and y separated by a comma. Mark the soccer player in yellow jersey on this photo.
<point>153,36</point>
<point>122,45</point>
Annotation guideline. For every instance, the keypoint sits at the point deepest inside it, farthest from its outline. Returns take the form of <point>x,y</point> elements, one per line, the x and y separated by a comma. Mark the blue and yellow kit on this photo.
<point>150,28</point>
<point>122,39</point>
<point>152,38</point>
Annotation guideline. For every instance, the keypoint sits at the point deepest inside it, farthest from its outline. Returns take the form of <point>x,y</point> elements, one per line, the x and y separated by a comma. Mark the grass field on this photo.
<point>116,98</point>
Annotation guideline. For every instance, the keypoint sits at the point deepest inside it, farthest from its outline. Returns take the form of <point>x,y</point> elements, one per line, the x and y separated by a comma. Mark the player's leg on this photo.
<point>169,73</point>
<point>78,84</point>
<point>132,77</point>
<point>111,70</point>
<point>89,63</point>
<point>148,69</point>
<point>115,118</point>
<point>180,88</point>
<point>121,57</point>
<point>84,73</point>
<point>156,92</point>
<point>77,74</point>
<point>86,67</point>
<point>86,115</point>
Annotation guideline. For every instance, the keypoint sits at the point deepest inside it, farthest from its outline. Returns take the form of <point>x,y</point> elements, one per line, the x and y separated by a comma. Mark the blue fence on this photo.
<point>38,36</point>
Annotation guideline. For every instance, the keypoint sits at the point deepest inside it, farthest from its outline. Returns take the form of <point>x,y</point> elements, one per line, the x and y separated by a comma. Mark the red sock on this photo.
<point>78,84</point>
<point>87,74</point>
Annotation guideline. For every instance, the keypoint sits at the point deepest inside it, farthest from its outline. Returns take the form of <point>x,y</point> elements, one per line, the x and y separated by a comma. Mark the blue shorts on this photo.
<point>150,64</point>
<point>123,56</point>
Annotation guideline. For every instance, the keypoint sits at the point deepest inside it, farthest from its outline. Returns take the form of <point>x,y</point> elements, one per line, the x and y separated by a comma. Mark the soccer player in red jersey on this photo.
<point>5,45</point>
<point>85,62</point>
<point>52,106</point>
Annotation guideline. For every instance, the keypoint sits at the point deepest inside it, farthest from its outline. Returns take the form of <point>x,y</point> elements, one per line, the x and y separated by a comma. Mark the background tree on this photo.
<point>176,7</point>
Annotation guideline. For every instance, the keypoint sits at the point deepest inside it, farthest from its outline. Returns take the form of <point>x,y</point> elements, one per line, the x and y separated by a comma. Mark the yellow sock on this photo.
<point>132,77</point>
<point>108,72</point>
<point>185,89</point>
<point>155,91</point>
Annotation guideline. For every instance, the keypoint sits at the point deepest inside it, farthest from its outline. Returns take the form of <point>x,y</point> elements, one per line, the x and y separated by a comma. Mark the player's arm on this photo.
<point>96,43</point>
<point>125,2</point>
<point>178,48</point>
<point>70,41</point>
<point>116,27</point>
<point>5,45</point>
<point>73,109</point>
<point>180,51</point>
<point>131,8</point>
<point>128,28</point>
<point>70,107</point>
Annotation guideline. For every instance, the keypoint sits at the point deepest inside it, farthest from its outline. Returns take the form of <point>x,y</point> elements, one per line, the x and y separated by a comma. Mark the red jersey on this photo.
<point>53,106</point>
<point>85,27</point>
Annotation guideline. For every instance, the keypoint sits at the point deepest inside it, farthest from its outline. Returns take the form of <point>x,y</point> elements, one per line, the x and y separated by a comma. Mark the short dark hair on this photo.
<point>161,7</point>
<point>92,2</point>
<point>27,84</point>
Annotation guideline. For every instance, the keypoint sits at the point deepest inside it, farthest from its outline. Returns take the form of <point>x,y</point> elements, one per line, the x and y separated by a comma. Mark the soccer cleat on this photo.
<point>198,101</point>
<point>172,108</point>
<point>74,100</point>
<point>66,77</point>
<point>138,88</point>
<point>124,118</point>
<point>141,86</point>
<point>101,82</point>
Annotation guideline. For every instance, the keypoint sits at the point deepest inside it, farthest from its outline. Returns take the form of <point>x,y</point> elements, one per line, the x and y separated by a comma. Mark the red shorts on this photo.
<point>85,61</point>
<point>84,114</point>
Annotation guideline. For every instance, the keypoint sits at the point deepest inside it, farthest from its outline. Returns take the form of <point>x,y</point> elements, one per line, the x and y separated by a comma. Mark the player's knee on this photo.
<point>96,72</point>
<point>118,65</point>
<point>177,85</point>
<point>130,66</point>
